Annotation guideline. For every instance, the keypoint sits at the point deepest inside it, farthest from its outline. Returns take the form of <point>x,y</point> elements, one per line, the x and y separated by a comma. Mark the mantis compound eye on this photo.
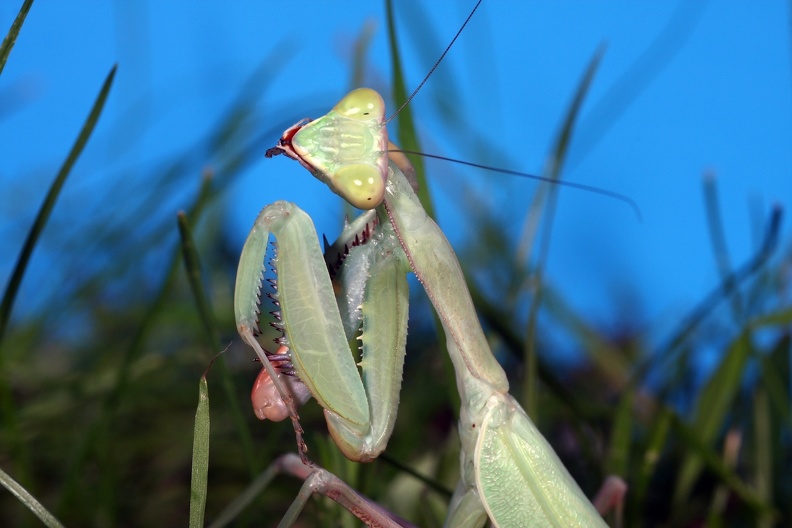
<point>360,184</point>
<point>363,104</point>
<point>348,148</point>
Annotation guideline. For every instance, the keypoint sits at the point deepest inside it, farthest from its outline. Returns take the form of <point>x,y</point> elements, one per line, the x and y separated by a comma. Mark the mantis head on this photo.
<point>347,149</point>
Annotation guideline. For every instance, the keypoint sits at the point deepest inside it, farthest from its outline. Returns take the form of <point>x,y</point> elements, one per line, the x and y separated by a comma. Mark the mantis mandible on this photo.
<point>509,473</point>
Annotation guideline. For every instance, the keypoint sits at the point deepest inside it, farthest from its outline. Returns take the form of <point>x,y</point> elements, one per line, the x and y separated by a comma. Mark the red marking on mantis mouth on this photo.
<point>284,145</point>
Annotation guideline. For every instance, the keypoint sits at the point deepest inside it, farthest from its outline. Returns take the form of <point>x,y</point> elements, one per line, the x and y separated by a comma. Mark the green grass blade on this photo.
<point>692,438</point>
<point>656,440</point>
<point>49,203</point>
<point>360,50</point>
<point>669,351</point>
<point>9,420</point>
<point>243,500</point>
<point>13,33</point>
<point>776,379</point>
<point>546,195</point>
<point>102,429</point>
<point>408,140</point>
<point>200,457</point>
<point>779,318</point>
<point>763,451</point>
<point>621,437</point>
<point>718,236</point>
<point>712,408</point>
<point>407,135</point>
<point>495,319</point>
<point>561,148</point>
<point>28,500</point>
<point>193,268</point>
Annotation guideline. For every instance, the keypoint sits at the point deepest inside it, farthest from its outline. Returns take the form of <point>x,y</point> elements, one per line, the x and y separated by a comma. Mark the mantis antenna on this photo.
<point>436,64</point>
<point>581,186</point>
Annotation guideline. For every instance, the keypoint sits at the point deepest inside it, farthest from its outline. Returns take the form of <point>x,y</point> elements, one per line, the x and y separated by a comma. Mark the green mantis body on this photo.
<point>509,473</point>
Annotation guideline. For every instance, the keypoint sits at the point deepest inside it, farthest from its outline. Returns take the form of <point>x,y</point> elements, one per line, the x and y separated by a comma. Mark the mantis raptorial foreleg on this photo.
<point>360,413</point>
<point>509,473</point>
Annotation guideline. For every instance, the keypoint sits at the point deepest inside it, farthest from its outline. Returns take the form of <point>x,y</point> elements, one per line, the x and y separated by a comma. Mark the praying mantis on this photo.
<point>510,475</point>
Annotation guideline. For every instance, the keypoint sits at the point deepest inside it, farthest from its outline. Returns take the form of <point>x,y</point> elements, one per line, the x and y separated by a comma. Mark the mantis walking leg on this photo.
<point>318,480</point>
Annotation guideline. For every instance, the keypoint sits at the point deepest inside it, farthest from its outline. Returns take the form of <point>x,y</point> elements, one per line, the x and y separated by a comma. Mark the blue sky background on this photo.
<point>684,88</point>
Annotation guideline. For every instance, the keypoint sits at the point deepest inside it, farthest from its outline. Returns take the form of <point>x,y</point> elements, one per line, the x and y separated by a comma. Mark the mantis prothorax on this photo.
<point>509,473</point>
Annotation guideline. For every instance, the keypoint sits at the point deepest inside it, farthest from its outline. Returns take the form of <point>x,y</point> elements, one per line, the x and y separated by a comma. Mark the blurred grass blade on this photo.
<point>776,379</point>
<point>28,500</point>
<point>555,161</point>
<point>634,80</point>
<point>9,422</point>
<point>561,147</point>
<point>49,203</point>
<point>493,316</point>
<point>193,268</point>
<point>732,444</point>
<point>200,457</point>
<point>360,50</point>
<point>718,239</point>
<point>13,32</point>
<point>602,353</point>
<point>408,140</point>
<point>658,434</point>
<point>438,487</point>
<point>621,437</point>
<point>691,437</point>
<point>408,137</point>
<point>764,451</point>
<point>243,500</point>
<point>543,204</point>
<point>101,430</point>
<point>668,351</point>
<point>779,318</point>
<point>712,409</point>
